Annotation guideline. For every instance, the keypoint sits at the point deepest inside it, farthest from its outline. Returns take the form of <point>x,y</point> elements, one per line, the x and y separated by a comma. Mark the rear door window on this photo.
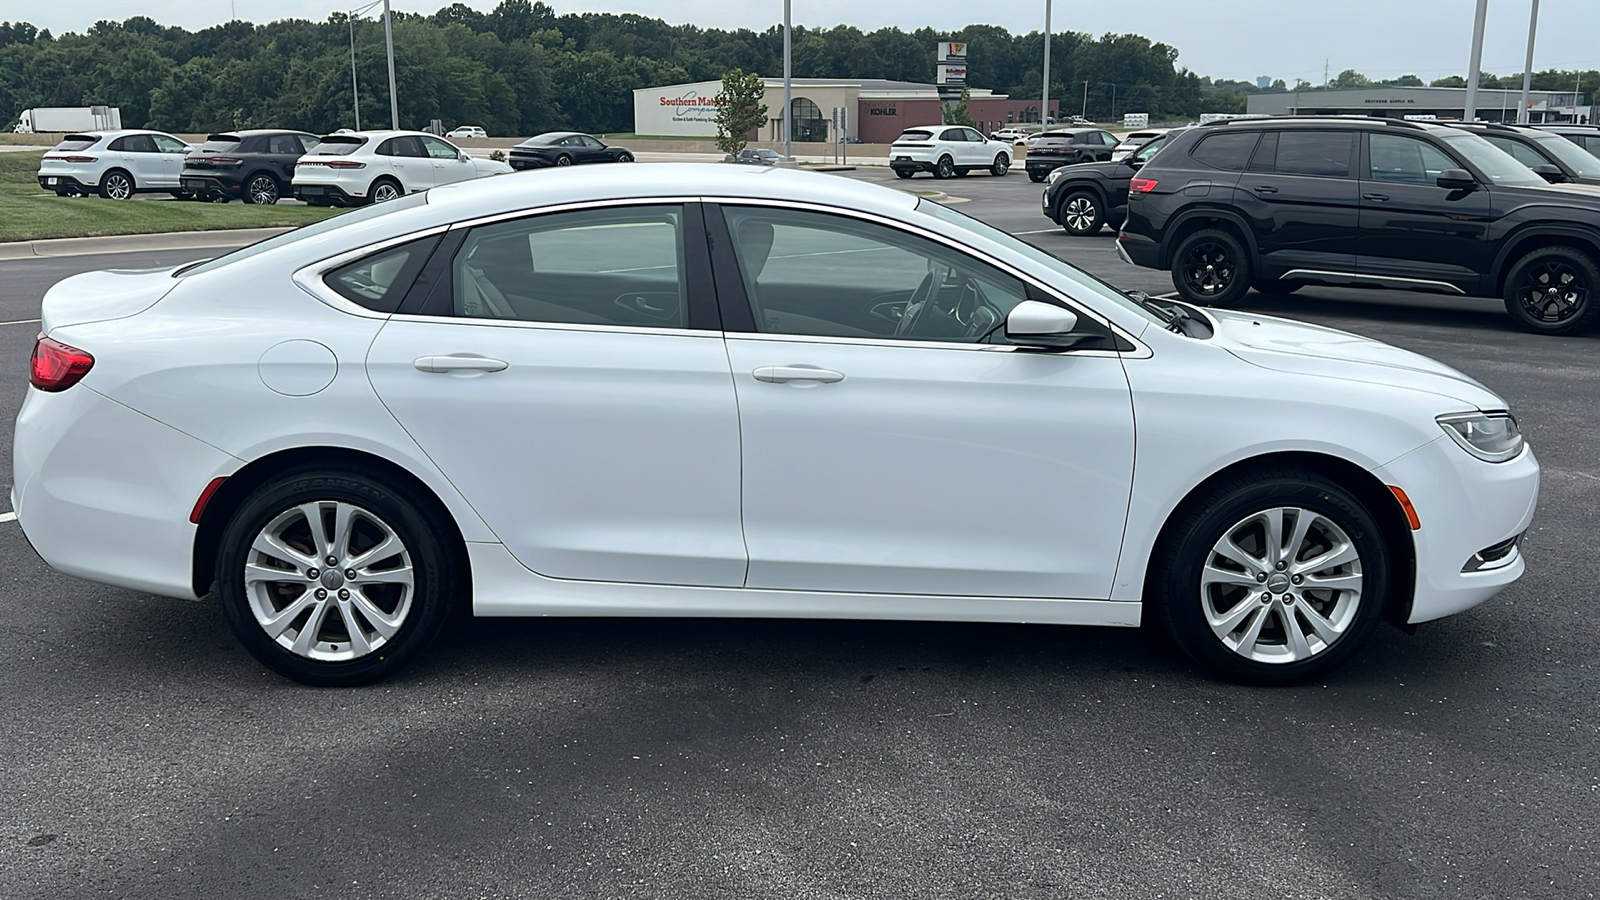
<point>1321,153</point>
<point>1228,150</point>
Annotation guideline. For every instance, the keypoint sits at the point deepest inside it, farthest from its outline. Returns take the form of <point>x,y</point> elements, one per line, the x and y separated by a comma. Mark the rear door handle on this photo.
<point>1374,196</point>
<point>781,374</point>
<point>458,364</point>
<point>1266,189</point>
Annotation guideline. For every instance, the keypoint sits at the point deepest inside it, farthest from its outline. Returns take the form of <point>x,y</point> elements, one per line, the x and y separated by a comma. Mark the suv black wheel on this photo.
<point>1211,268</point>
<point>1552,290</point>
<point>1080,213</point>
<point>1271,577</point>
<point>1277,288</point>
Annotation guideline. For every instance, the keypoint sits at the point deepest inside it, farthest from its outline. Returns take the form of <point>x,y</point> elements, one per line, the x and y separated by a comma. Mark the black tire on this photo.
<point>385,189</point>
<point>1081,213</point>
<point>626,157</point>
<point>1036,176</point>
<point>435,572</point>
<point>182,195</point>
<point>1277,288</point>
<point>944,168</point>
<point>262,190</point>
<point>904,173</point>
<point>1177,596</point>
<point>1554,290</point>
<point>1002,165</point>
<point>563,160</point>
<point>117,184</point>
<point>1211,268</point>
<point>318,201</point>
<point>963,172</point>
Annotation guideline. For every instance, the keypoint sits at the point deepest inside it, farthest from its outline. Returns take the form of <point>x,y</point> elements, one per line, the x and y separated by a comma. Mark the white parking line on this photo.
<point>21,322</point>
<point>8,517</point>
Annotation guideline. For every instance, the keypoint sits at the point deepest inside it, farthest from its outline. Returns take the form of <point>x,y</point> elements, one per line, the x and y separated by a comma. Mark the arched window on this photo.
<point>1032,114</point>
<point>809,125</point>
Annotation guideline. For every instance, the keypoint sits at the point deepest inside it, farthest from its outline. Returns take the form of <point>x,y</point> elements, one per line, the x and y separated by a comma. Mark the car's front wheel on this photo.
<point>1211,268</point>
<point>1002,165</point>
<point>625,157</point>
<point>1081,214</point>
<point>1552,290</point>
<point>333,578</point>
<point>1272,577</point>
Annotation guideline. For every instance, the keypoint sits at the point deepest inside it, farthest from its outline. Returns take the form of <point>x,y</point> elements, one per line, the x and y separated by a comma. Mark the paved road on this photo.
<point>148,756</point>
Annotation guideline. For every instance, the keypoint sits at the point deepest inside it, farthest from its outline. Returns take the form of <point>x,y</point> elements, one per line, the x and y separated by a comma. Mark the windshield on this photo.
<point>1500,166</point>
<point>1065,269</point>
<point>306,231</point>
<point>915,136</point>
<point>1576,158</point>
<point>76,142</point>
<point>220,143</point>
<point>1150,148</point>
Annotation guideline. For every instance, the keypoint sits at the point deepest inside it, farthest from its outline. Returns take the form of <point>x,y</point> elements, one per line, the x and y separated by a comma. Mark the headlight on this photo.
<point>1492,437</point>
<point>1054,174</point>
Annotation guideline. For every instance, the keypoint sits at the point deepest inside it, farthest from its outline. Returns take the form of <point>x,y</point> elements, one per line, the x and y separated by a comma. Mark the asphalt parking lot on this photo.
<point>147,755</point>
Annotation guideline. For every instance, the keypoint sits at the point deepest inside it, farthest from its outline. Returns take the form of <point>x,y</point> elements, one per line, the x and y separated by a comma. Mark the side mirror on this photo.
<point>1457,180</point>
<point>1134,164</point>
<point>1035,324</point>
<point>1550,173</point>
<point>463,156</point>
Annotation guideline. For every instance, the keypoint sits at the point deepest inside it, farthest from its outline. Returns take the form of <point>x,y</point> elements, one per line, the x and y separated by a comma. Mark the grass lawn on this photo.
<point>28,212</point>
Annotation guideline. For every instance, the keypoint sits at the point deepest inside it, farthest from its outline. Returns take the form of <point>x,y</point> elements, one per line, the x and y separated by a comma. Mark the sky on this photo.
<point>1239,39</point>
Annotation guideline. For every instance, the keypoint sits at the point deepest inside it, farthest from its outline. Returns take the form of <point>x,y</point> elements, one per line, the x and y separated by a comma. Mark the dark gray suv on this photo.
<point>1275,204</point>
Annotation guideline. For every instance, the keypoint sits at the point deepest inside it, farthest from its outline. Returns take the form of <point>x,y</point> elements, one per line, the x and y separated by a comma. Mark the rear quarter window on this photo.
<point>380,281</point>
<point>1227,150</point>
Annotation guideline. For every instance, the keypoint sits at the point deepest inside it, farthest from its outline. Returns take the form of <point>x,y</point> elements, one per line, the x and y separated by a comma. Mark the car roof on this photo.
<point>253,132</point>
<point>124,132</point>
<point>556,135</point>
<point>1371,122</point>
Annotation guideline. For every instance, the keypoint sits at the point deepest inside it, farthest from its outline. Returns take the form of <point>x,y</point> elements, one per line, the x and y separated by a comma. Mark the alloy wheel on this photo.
<point>1079,213</point>
<point>1208,269</point>
<point>1282,585</point>
<point>563,160</point>
<point>945,168</point>
<point>384,193</point>
<point>329,581</point>
<point>263,190</point>
<point>1552,291</point>
<point>118,186</point>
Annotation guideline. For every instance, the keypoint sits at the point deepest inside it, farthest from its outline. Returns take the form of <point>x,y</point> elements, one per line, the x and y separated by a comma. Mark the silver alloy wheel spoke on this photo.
<point>332,606</point>
<point>1282,585</point>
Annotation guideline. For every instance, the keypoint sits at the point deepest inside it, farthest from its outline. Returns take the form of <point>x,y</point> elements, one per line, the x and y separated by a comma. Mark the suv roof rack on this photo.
<point>1489,126</point>
<point>1343,119</point>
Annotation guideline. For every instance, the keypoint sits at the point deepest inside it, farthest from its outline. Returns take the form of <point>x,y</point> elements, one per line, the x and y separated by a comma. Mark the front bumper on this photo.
<point>105,493</point>
<point>1465,506</point>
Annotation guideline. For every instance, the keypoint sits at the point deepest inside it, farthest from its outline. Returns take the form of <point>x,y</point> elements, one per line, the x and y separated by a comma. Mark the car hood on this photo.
<point>490,167</point>
<point>1282,345</point>
<point>103,295</point>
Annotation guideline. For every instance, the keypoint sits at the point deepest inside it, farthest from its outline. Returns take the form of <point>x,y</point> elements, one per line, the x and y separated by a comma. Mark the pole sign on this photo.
<point>950,57</point>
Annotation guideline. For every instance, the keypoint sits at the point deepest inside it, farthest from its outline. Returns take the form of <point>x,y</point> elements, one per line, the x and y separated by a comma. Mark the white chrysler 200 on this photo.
<point>727,391</point>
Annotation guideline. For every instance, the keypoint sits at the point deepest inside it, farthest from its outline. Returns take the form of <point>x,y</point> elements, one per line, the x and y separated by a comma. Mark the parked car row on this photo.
<point>1277,204</point>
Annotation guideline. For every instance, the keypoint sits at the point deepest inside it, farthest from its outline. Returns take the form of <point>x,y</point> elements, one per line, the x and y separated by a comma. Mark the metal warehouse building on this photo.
<point>878,110</point>
<point>1494,105</point>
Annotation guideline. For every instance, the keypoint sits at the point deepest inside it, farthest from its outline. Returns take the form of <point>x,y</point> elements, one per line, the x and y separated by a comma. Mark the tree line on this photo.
<point>521,68</point>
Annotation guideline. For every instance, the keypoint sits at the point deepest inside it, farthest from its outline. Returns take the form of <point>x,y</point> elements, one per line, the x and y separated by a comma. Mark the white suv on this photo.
<point>947,150</point>
<point>367,166</point>
<point>468,131</point>
<point>1014,134</point>
<point>114,164</point>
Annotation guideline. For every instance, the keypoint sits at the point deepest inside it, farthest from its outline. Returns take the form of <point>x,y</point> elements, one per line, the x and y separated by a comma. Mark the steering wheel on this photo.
<point>921,299</point>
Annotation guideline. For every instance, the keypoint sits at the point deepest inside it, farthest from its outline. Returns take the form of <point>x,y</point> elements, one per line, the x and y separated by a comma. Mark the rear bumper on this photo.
<point>519,163</point>
<point>211,184</point>
<point>1045,165</point>
<point>1139,250</point>
<point>909,163</point>
<point>59,183</point>
<point>330,193</point>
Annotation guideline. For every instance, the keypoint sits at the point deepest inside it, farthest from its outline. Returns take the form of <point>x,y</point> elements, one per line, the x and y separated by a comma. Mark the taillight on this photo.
<point>332,163</point>
<point>1142,185</point>
<point>57,366</point>
<point>73,159</point>
<point>221,160</point>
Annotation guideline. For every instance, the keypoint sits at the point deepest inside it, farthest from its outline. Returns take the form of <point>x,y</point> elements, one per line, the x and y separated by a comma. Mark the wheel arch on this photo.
<point>1187,223</point>
<point>386,176</point>
<point>1092,186</point>
<point>1366,487</point>
<point>219,509</point>
<point>1538,236</point>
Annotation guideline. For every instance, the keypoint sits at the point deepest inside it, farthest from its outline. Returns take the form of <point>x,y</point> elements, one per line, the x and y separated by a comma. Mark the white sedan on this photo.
<point>373,166</point>
<point>738,391</point>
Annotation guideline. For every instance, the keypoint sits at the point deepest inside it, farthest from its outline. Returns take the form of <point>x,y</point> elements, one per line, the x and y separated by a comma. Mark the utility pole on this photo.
<point>1471,111</point>
<point>1044,93</point>
<point>788,104</point>
<point>1085,113</point>
<point>1527,66</point>
<point>388,39</point>
<point>355,95</point>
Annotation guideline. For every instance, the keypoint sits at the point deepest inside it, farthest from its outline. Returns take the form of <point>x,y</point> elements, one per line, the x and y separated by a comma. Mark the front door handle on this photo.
<point>1379,197</point>
<point>781,374</point>
<point>458,364</point>
<point>1266,189</point>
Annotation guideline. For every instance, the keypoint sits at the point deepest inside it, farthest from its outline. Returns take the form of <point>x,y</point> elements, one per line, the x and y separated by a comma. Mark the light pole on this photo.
<point>355,94</point>
<point>388,39</point>
<point>1044,93</point>
<point>1471,111</point>
<point>788,105</point>
<point>1527,66</point>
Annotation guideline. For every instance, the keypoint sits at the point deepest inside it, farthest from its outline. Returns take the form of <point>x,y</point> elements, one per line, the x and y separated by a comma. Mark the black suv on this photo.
<point>1084,197</point>
<point>254,166</point>
<point>1066,146</point>
<point>1363,202</point>
<point>1553,157</point>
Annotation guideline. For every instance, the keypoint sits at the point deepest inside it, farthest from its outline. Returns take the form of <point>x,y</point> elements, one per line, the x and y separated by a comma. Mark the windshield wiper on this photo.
<point>1173,315</point>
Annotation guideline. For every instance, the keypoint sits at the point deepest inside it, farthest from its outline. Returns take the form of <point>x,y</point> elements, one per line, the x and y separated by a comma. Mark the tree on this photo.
<point>739,109</point>
<point>958,114</point>
<point>1350,78</point>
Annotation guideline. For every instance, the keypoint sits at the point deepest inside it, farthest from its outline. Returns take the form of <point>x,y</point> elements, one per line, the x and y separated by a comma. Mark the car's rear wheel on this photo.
<point>1002,165</point>
<point>944,168</point>
<point>904,173</point>
<point>1080,213</point>
<point>262,190</point>
<point>1211,268</point>
<point>563,160</point>
<point>1552,290</point>
<point>333,578</point>
<point>1272,577</point>
<point>384,190</point>
<point>117,185</point>
<point>1277,288</point>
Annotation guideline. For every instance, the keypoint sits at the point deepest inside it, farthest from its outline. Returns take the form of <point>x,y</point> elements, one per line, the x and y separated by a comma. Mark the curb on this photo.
<point>129,243</point>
